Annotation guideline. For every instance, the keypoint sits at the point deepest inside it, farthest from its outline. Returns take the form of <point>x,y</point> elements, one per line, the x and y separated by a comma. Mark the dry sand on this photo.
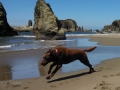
<point>106,77</point>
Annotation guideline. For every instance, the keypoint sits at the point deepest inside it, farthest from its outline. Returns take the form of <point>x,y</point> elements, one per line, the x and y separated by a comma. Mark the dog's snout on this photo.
<point>43,62</point>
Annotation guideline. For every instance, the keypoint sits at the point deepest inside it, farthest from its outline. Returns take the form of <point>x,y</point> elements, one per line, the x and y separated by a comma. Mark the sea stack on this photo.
<point>29,23</point>
<point>46,24</point>
<point>5,29</point>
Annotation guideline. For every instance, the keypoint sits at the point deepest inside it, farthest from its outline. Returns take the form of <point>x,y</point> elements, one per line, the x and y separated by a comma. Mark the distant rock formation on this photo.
<point>5,29</point>
<point>69,24</point>
<point>116,23</point>
<point>29,23</point>
<point>46,24</point>
<point>23,28</point>
<point>115,26</point>
<point>79,28</point>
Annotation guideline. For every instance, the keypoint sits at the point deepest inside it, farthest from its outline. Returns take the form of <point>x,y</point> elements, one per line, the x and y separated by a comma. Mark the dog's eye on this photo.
<point>44,57</point>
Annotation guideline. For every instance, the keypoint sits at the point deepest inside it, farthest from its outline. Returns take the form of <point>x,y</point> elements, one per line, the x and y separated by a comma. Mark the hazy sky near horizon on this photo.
<point>91,14</point>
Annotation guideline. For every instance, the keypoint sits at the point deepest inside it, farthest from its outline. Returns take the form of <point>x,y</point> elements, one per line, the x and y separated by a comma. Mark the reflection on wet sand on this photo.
<point>5,73</point>
<point>43,70</point>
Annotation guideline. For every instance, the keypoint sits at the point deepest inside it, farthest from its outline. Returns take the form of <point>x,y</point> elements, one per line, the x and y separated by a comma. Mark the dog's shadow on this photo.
<point>70,77</point>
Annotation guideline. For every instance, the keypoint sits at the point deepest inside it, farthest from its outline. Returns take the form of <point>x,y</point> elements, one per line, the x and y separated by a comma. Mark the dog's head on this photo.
<point>48,57</point>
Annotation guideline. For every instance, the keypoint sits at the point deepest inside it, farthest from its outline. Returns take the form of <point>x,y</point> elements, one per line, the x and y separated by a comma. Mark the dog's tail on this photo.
<point>90,49</point>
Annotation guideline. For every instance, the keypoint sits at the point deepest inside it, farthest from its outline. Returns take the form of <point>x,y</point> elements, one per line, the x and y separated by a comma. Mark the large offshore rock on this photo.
<point>5,29</point>
<point>46,24</point>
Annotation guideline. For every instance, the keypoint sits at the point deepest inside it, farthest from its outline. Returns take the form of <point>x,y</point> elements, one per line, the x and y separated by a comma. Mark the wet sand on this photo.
<point>103,39</point>
<point>18,64</point>
<point>106,76</point>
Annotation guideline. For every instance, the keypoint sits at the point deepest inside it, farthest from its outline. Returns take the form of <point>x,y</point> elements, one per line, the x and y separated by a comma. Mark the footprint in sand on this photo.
<point>100,69</point>
<point>103,85</point>
<point>118,74</point>
<point>29,82</point>
<point>77,79</point>
<point>112,75</point>
<point>25,87</point>
<point>53,86</point>
<point>117,88</point>
<point>60,83</point>
<point>17,85</point>
<point>109,68</point>
<point>45,88</point>
<point>106,76</point>
<point>66,82</point>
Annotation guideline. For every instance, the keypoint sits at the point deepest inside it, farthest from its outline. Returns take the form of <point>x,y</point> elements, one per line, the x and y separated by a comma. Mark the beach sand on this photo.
<point>106,77</point>
<point>103,39</point>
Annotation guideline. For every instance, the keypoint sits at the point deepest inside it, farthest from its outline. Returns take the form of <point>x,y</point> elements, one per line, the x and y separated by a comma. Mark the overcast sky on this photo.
<point>91,14</point>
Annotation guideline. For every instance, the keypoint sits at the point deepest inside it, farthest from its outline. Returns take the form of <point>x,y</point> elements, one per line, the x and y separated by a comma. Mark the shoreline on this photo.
<point>103,39</point>
<point>106,76</point>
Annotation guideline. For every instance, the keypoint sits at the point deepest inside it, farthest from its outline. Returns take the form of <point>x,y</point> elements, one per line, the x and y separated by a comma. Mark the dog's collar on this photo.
<point>55,55</point>
<point>56,52</point>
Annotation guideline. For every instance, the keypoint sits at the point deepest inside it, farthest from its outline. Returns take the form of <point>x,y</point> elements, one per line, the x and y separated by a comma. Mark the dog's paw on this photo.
<point>48,77</point>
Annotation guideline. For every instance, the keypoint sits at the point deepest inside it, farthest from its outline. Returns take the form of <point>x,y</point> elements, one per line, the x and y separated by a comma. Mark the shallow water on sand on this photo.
<point>25,63</point>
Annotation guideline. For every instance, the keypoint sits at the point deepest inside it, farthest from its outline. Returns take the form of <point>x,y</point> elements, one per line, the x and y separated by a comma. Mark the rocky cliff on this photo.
<point>5,29</point>
<point>115,26</point>
<point>46,24</point>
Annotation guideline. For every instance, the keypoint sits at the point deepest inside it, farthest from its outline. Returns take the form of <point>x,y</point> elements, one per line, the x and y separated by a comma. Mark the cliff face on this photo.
<point>46,24</point>
<point>5,29</point>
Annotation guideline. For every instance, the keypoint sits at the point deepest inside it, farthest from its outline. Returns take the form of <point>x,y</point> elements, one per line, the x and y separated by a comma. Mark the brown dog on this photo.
<point>62,55</point>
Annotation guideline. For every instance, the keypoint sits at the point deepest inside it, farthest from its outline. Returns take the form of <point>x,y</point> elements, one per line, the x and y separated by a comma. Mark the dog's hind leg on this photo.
<point>85,61</point>
<point>89,65</point>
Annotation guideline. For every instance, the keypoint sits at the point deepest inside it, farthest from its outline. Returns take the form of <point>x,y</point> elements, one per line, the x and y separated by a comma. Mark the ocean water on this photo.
<point>28,66</point>
<point>26,40</point>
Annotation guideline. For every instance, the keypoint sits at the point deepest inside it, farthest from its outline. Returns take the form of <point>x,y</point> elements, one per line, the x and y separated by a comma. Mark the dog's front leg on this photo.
<point>53,73</point>
<point>51,66</point>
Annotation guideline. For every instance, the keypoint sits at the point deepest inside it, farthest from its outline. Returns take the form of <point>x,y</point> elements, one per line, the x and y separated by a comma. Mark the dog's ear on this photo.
<point>51,51</point>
